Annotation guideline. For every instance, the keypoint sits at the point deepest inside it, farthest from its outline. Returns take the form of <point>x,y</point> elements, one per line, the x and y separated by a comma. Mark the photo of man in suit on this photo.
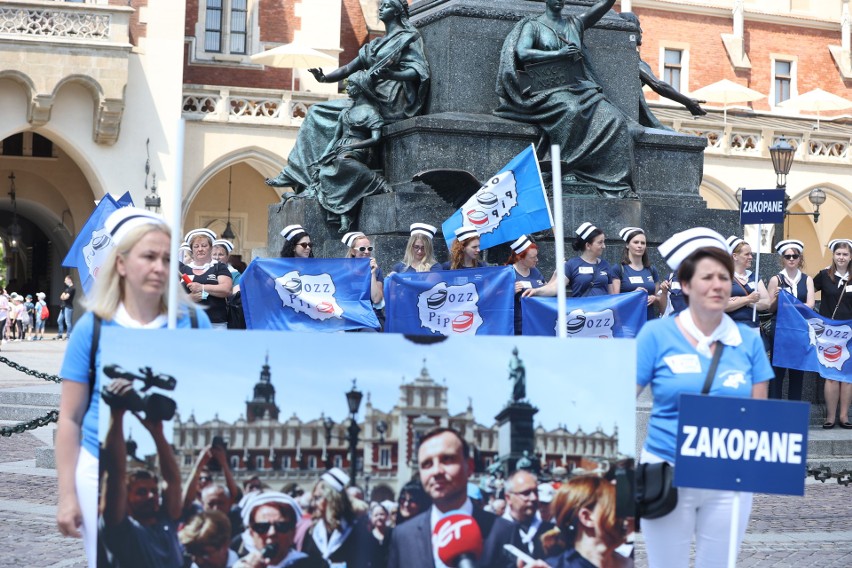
<point>445,466</point>
<point>523,499</point>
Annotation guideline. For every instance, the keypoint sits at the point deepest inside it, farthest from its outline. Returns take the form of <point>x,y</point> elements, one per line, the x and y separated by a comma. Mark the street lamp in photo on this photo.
<point>353,400</point>
<point>328,424</point>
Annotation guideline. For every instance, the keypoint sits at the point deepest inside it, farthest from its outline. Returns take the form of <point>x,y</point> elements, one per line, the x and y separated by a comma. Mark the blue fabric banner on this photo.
<point>308,294</point>
<point>807,341</point>
<point>510,204</point>
<point>472,301</point>
<point>617,315</point>
<point>90,248</point>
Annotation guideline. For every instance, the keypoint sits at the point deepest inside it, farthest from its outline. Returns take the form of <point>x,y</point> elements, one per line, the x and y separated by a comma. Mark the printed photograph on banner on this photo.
<point>308,432</point>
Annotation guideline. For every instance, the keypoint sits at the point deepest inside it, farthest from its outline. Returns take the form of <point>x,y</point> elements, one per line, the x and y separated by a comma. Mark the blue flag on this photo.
<point>472,301</point>
<point>510,204</point>
<point>807,341</point>
<point>616,315</point>
<point>308,294</point>
<point>90,248</point>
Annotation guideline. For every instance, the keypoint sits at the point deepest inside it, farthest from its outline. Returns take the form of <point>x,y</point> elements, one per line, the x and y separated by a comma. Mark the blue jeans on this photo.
<point>64,320</point>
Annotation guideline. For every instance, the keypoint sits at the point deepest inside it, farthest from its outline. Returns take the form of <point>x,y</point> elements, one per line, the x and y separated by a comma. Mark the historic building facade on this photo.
<point>281,450</point>
<point>782,49</point>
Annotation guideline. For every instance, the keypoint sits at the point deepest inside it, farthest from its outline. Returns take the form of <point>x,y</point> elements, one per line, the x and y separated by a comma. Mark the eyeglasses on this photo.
<point>526,494</point>
<point>305,245</point>
<point>280,527</point>
<point>418,247</point>
<point>364,249</point>
<point>791,257</point>
<point>205,478</point>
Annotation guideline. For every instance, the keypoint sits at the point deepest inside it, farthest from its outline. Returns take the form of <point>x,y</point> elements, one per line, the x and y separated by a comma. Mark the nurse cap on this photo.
<point>123,220</point>
<point>627,233</point>
<point>228,245</point>
<point>832,244</point>
<point>291,231</point>
<point>681,245</point>
<point>522,244</point>
<point>463,233</point>
<point>733,242</point>
<point>200,232</point>
<point>584,230</point>
<point>349,238</point>
<point>789,244</point>
<point>423,229</point>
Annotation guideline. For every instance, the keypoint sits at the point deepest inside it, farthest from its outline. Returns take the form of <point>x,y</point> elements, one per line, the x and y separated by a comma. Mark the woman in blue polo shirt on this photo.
<point>635,272</point>
<point>524,260</point>
<point>673,357</point>
<point>587,274</point>
<point>747,291</point>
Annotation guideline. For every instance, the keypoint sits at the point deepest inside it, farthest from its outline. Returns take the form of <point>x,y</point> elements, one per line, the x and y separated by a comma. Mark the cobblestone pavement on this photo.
<point>784,532</point>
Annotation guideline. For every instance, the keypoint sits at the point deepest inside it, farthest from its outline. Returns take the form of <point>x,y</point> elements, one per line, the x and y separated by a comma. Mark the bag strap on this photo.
<point>591,283</point>
<point>96,338</point>
<point>714,363</point>
<point>193,318</point>
<point>839,299</point>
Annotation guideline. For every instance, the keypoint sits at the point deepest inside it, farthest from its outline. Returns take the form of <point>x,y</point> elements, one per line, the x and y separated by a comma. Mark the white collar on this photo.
<point>727,332</point>
<point>841,278</point>
<point>328,544</point>
<point>204,266</point>
<point>794,282</point>
<point>124,319</point>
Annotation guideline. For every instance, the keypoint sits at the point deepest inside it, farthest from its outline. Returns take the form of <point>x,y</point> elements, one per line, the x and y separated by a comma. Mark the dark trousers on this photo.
<point>794,387</point>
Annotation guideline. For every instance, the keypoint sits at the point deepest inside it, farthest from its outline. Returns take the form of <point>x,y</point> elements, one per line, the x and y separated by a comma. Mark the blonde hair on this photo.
<point>109,285</point>
<point>209,528</point>
<point>351,252</point>
<point>429,258</point>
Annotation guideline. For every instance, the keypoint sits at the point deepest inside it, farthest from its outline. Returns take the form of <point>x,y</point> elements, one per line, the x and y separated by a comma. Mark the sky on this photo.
<point>576,382</point>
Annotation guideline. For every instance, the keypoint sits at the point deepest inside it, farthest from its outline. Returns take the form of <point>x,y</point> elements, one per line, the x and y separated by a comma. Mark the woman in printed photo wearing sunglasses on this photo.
<point>360,246</point>
<point>270,520</point>
<point>297,242</point>
<point>793,280</point>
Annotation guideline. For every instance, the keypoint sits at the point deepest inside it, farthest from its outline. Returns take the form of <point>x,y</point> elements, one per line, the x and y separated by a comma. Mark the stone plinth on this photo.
<point>516,434</point>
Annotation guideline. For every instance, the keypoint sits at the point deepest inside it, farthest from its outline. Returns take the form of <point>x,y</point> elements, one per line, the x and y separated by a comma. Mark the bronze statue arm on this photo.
<point>591,16</point>
<point>528,54</point>
<point>375,137</point>
<point>665,90</point>
<point>397,75</point>
<point>338,74</point>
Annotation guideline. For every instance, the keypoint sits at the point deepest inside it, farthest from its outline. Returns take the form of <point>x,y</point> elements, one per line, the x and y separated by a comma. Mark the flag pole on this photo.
<point>559,239</point>
<point>174,222</point>
<point>757,270</point>
<point>735,529</point>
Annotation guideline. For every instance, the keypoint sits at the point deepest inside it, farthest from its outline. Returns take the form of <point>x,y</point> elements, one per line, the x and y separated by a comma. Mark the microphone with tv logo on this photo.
<point>269,550</point>
<point>458,540</point>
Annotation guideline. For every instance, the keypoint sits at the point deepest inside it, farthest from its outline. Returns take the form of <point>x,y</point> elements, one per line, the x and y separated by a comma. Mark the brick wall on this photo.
<point>708,60</point>
<point>353,30</point>
<point>137,29</point>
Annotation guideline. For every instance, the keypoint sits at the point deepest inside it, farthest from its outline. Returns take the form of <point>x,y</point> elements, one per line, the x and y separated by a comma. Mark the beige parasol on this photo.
<point>816,101</point>
<point>293,56</point>
<point>726,92</point>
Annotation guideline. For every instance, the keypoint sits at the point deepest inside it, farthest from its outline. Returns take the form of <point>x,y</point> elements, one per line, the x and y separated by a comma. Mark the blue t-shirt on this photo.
<point>401,268</point>
<point>671,365</point>
<point>580,273</point>
<point>534,280</point>
<point>631,280</point>
<point>75,366</point>
<point>677,300</point>
<point>446,266</point>
<point>740,290</point>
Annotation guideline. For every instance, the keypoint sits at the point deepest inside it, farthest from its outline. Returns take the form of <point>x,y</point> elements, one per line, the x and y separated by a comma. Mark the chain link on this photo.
<point>48,418</point>
<point>823,472</point>
<point>30,372</point>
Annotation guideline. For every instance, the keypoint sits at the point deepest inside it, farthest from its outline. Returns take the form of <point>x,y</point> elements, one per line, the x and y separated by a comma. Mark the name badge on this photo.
<point>635,279</point>
<point>586,270</point>
<point>675,286</point>
<point>525,284</point>
<point>849,289</point>
<point>681,364</point>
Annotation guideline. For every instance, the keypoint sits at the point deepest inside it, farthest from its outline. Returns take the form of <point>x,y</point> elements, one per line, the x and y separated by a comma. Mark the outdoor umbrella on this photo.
<point>293,56</point>
<point>816,101</point>
<point>726,92</point>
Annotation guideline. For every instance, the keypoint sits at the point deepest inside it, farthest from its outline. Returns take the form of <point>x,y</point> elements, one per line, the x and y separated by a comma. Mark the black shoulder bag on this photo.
<point>656,496</point>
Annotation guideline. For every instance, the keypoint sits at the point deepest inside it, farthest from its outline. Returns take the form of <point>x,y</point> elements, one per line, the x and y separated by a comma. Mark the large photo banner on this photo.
<point>290,431</point>
<point>617,315</point>
<point>473,301</point>
<point>308,294</point>
<point>808,341</point>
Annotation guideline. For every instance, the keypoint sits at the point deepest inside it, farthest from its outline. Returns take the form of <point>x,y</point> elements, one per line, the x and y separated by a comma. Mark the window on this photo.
<point>384,457</point>
<point>187,459</point>
<point>224,28</point>
<point>258,462</point>
<point>42,147</point>
<point>783,80</point>
<point>14,145</point>
<point>672,66</point>
<point>286,463</point>
<point>235,462</point>
<point>338,461</point>
<point>312,462</point>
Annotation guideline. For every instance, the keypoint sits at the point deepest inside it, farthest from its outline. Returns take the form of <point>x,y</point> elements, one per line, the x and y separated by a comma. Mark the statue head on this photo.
<point>358,83</point>
<point>400,6</point>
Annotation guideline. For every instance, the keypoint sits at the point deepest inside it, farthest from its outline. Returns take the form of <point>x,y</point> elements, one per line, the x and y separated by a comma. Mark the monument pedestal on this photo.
<point>516,434</point>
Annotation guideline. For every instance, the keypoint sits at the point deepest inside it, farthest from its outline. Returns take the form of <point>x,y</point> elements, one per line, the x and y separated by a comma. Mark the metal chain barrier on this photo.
<point>823,472</point>
<point>30,372</point>
<point>48,418</point>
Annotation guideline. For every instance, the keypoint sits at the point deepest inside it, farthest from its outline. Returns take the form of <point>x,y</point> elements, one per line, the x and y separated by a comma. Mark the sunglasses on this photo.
<point>305,245</point>
<point>791,256</point>
<point>280,527</point>
<point>364,249</point>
